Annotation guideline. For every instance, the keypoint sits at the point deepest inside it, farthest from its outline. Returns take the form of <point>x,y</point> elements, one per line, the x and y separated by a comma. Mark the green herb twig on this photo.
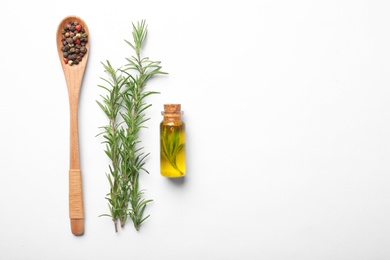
<point>171,145</point>
<point>125,106</point>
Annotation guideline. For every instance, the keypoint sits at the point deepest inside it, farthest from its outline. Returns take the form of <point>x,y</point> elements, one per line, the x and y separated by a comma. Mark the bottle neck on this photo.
<point>172,117</point>
<point>172,114</point>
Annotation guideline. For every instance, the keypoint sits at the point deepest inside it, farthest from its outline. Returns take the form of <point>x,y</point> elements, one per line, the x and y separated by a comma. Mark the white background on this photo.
<point>288,142</point>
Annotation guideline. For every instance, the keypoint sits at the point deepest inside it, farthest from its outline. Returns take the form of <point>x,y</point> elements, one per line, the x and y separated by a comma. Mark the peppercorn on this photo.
<point>74,40</point>
<point>83,50</point>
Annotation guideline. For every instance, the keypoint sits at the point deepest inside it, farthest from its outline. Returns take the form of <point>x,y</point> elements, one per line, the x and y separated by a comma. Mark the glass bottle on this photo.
<point>172,142</point>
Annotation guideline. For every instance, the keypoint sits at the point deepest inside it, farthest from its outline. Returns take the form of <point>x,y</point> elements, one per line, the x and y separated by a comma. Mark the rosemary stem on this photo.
<point>125,107</point>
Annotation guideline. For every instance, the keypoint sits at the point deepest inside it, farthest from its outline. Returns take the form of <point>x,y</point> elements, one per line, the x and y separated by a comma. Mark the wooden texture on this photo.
<point>74,77</point>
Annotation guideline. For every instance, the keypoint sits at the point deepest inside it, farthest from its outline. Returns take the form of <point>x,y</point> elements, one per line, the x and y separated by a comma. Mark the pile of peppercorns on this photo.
<point>74,40</point>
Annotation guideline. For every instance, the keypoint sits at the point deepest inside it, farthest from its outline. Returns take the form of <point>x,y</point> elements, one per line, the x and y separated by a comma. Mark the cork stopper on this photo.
<point>172,108</point>
<point>172,111</point>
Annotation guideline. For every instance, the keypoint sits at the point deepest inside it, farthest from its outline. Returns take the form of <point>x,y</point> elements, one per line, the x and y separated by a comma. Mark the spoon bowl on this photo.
<point>74,76</point>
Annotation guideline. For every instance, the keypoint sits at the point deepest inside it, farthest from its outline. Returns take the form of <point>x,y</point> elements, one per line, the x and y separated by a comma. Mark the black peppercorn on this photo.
<point>74,39</point>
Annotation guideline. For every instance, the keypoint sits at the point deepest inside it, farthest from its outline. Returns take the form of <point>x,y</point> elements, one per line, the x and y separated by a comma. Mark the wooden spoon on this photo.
<point>74,77</point>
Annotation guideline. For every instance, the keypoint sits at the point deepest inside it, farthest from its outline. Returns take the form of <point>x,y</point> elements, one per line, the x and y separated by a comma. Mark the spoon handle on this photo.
<point>76,204</point>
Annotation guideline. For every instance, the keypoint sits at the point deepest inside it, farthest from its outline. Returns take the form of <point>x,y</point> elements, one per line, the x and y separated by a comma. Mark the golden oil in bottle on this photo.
<point>172,142</point>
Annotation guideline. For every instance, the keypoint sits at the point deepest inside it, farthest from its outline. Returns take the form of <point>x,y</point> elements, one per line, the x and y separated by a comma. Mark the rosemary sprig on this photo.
<point>125,106</point>
<point>171,145</point>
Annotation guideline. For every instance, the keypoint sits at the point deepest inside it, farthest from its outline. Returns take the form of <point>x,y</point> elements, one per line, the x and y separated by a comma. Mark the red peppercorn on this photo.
<point>77,41</point>
<point>66,60</point>
<point>78,27</point>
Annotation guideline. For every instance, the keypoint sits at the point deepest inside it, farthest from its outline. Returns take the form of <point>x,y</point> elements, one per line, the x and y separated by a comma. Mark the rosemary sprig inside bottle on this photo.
<point>125,106</point>
<point>172,142</point>
<point>171,146</point>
